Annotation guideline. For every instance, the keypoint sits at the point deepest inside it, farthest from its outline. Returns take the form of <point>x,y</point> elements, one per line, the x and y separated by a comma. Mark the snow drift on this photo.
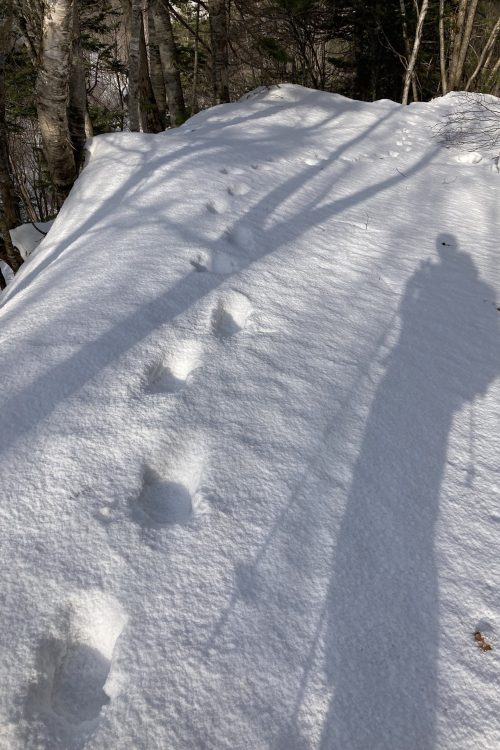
<point>250,433</point>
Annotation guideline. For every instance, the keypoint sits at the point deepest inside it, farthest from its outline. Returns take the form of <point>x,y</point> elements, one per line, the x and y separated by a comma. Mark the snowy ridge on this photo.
<point>250,436</point>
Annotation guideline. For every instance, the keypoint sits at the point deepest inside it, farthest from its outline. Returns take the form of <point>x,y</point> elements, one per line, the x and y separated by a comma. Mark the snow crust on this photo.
<point>249,423</point>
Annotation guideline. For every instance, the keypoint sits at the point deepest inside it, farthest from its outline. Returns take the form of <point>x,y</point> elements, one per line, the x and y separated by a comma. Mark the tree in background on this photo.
<point>167,46</point>
<point>9,210</point>
<point>60,94</point>
<point>104,65</point>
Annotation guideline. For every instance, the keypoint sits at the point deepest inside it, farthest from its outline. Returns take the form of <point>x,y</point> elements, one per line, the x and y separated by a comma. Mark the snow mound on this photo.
<point>249,433</point>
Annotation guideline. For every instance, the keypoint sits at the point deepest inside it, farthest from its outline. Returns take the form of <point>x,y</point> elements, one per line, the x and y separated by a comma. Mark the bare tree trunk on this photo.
<point>9,210</point>
<point>134,66</point>
<point>8,253</point>
<point>7,191</point>
<point>406,39</point>
<point>493,76</point>
<point>465,41</point>
<point>52,94</point>
<point>458,25</point>
<point>416,44</point>
<point>166,41</point>
<point>148,108</point>
<point>77,108</point>
<point>485,54</point>
<point>442,49</point>
<point>156,72</point>
<point>220,58</point>
<point>89,128</point>
<point>194,99</point>
<point>464,24</point>
<point>28,206</point>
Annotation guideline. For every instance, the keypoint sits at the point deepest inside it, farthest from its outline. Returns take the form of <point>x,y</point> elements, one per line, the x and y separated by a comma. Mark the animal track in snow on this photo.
<point>168,499</point>
<point>216,263</point>
<point>314,160</point>
<point>173,372</point>
<point>403,139</point>
<point>231,315</point>
<point>238,188</point>
<point>74,678</point>
<point>469,157</point>
<point>217,205</point>
<point>241,237</point>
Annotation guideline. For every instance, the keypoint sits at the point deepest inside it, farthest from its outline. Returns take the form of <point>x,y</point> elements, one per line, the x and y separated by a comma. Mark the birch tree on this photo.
<point>168,56</point>
<point>486,55</point>
<point>410,70</point>
<point>464,23</point>
<point>52,94</point>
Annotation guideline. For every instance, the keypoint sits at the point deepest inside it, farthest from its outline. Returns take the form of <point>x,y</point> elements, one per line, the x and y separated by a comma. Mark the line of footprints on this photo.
<point>74,680</point>
<point>166,499</point>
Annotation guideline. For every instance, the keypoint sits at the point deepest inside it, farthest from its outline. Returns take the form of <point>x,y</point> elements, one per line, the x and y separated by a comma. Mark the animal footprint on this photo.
<point>216,263</point>
<point>172,373</point>
<point>313,161</point>
<point>231,314</point>
<point>167,499</point>
<point>238,188</point>
<point>74,669</point>
<point>242,237</point>
<point>217,205</point>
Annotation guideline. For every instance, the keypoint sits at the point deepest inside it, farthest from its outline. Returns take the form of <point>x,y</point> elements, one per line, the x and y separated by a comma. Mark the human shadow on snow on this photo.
<point>382,637</point>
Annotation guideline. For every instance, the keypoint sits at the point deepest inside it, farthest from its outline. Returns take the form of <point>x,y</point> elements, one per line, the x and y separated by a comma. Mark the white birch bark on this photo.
<point>52,94</point>
<point>166,43</point>
<point>416,45</point>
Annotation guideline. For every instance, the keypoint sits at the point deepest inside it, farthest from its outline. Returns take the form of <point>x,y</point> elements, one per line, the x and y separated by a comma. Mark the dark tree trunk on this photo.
<point>149,112</point>
<point>9,209</point>
<point>77,109</point>
<point>7,192</point>
<point>134,66</point>
<point>156,72</point>
<point>220,58</point>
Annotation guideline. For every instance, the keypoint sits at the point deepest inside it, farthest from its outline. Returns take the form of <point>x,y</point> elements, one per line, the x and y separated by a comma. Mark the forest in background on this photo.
<point>73,68</point>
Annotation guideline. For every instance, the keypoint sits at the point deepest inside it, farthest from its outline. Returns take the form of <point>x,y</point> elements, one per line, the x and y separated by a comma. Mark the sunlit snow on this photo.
<point>250,431</point>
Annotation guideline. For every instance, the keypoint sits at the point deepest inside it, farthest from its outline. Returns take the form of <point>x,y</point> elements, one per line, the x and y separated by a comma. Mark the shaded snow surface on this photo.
<point>250,428</point>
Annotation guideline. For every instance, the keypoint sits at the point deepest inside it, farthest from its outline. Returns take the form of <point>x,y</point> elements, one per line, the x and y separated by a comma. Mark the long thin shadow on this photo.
<point>382,606</point>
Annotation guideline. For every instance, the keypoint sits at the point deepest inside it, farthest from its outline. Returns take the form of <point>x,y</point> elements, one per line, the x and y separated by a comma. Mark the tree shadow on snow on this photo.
<point>69,376</point>
<point>383,602</point>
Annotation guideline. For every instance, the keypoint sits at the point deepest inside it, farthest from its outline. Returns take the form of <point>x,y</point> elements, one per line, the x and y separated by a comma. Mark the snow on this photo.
<point>250,437</point>
<point>26,238</point>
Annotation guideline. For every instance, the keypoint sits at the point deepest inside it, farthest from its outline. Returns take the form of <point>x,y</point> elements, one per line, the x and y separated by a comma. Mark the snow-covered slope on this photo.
<point>249,419</point>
